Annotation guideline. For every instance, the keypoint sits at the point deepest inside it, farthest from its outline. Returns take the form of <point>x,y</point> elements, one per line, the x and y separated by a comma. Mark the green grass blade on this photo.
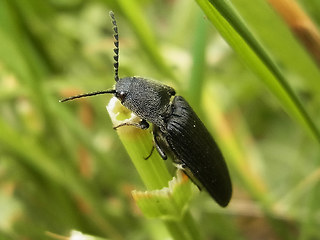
<point>222,15</point>
<point>198,67</point>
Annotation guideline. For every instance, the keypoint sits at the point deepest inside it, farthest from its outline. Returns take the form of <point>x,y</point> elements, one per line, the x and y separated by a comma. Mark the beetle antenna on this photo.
<point>116,45</point>
<point>88,95</point>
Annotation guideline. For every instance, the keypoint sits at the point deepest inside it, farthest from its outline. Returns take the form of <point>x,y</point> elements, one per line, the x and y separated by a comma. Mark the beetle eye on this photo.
<point>121,96</point>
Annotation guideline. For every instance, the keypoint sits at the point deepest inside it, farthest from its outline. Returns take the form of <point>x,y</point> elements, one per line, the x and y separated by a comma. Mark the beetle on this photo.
<point>177,130</point>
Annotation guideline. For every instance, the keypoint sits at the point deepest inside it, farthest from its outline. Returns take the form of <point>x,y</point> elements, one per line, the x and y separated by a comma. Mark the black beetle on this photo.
<point>177,130</point>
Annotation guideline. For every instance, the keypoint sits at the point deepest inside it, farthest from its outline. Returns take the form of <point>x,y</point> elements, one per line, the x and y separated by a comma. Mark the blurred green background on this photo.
<point>62,166</point>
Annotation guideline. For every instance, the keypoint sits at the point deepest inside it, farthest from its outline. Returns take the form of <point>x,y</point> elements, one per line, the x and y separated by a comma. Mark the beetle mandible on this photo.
<point>177,130</point>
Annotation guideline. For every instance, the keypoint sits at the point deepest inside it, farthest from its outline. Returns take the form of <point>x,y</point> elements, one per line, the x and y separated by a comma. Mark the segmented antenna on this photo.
<point>116,44</point>
<point>116,64</point>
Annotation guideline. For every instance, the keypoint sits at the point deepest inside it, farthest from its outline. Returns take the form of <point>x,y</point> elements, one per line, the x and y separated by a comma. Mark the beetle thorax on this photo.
<point>147,99</point>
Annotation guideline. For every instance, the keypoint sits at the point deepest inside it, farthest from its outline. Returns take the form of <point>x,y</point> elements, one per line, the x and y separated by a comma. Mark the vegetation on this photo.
<point>245,68</point>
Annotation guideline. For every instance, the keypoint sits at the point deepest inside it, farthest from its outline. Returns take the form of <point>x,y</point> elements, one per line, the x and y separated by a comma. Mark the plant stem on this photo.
<point>152,171</point>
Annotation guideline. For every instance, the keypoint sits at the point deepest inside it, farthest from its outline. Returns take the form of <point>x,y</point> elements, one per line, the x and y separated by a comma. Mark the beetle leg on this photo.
<point>146,158</point>
<point>158,147</point>
<point>143,124</point>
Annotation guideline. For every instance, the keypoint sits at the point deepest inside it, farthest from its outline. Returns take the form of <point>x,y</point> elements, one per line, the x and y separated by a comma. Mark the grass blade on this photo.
<point>223,16</point>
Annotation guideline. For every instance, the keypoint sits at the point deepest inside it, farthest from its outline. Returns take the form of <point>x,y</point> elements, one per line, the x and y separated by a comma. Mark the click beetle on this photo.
<point>177,130</point>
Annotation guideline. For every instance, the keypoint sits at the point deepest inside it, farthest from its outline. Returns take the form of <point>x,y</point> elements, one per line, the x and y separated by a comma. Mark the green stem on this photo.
<point>153,171</point>
<point>138,144</point>
<point>193,231</point>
